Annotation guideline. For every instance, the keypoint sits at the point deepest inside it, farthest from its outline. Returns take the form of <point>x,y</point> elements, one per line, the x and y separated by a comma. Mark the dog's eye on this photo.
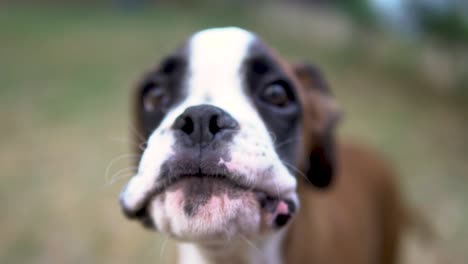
<point>276,94</point>
<point>154,97</point>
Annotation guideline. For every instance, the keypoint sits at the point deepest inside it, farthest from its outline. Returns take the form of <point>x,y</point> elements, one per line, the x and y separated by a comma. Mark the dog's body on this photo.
<point>357,221</point>
<point>239,146</point>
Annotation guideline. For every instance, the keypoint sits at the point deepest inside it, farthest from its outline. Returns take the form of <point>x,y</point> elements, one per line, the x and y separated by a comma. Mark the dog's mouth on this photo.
<point>202,195</point>
<point>227,181</point>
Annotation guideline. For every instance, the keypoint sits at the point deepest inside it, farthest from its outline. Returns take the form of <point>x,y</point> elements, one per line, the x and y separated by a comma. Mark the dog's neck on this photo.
<point>239,251</point>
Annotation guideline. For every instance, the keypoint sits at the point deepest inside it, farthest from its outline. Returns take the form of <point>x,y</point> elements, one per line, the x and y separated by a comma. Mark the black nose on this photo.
<point>202,124</point>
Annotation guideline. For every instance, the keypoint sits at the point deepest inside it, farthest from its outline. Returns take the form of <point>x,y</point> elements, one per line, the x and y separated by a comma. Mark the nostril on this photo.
<point>188,125</point>
<point>213,125</point>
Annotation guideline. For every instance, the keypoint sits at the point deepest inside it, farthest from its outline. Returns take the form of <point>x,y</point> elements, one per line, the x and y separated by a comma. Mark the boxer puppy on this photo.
<point>240,163</point>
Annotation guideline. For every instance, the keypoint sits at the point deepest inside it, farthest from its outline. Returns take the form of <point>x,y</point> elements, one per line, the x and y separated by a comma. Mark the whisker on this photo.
<point>161,249</point>
<point>250,243</point>
<point>121,174</point>
<point>273,136</point>
<point>144,141</point>
<point>296,170</point>
<point>111,163</point>
<point>151,250</point>
<point>141,146</point>
<point>135,131</point>
<point>289,140</point>
<point>228,240</point>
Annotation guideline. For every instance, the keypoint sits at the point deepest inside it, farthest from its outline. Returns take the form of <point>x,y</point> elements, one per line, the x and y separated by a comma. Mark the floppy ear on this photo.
<point>320,117</point>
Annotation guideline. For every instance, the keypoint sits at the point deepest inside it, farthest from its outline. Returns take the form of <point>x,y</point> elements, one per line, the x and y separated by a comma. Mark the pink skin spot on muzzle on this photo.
<point>278,212</point>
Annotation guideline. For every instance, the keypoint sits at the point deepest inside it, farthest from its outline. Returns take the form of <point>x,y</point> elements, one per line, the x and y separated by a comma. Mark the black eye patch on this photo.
<point>160,90</point>
<point>171,65</point>
<point>274,97</point>
<point>259,66</point>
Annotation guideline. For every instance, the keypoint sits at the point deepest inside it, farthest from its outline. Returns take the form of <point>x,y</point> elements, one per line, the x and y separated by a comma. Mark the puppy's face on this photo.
<point>222,121</point>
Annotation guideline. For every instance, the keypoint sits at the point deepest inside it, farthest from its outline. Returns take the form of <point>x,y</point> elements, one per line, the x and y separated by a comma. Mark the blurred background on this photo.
<point>399,68</point>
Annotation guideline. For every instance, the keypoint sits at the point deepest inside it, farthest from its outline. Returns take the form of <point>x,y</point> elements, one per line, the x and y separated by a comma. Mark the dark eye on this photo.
<point>154,97</point>
<point>276,94</point>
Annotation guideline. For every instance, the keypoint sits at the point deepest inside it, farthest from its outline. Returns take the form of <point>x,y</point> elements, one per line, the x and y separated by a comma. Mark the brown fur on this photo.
<point>356,221</point>
<point>359,217</point>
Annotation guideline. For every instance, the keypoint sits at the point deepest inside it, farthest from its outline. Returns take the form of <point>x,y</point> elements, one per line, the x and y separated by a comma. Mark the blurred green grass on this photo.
<point>65,76</point>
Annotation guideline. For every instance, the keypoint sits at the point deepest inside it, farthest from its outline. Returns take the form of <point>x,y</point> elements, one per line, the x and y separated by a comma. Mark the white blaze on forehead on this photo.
<point>221,50</point>
<point>216,59</point>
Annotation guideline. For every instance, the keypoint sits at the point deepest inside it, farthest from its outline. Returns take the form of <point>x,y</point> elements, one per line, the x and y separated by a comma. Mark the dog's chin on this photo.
<point>207,209</point>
